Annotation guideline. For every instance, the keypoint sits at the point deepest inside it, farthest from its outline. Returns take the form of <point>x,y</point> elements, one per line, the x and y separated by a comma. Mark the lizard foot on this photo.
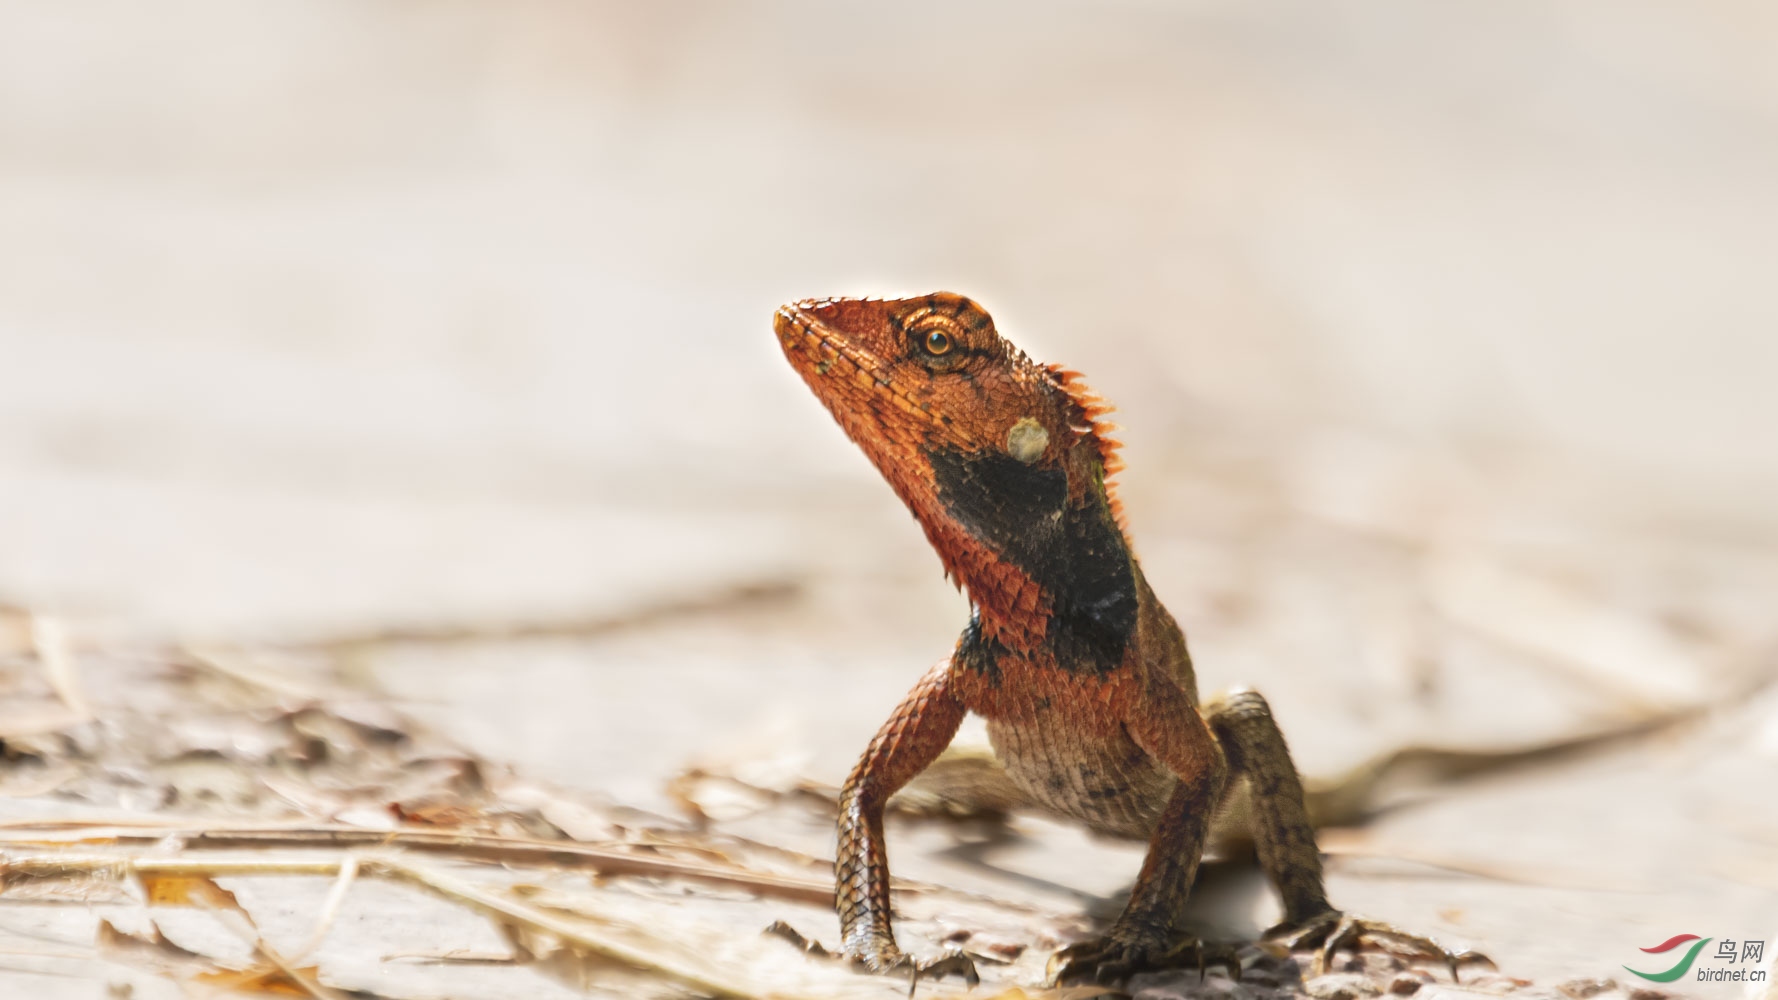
<point>880,955</point>
<point>1333,931</point>
<point>1121,954</point>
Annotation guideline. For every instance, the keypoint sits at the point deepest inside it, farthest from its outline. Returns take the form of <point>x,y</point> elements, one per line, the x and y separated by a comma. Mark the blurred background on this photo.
<point>1443,336</point>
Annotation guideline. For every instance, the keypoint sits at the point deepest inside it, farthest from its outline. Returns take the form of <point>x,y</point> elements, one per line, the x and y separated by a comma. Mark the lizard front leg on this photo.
<point>1284,839</point>
<point>921,727</point>
<point>1168,727</point>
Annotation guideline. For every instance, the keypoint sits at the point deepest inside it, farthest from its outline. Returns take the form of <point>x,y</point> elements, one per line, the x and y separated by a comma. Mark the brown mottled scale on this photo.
<point>1102,779</point>
<point>1059,732</point>
<point>1082,675</point>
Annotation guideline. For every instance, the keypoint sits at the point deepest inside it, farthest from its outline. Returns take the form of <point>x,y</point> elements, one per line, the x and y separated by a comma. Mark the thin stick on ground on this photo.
<point>469,847</point>
<point>449,887</point>
<point>330,907</point>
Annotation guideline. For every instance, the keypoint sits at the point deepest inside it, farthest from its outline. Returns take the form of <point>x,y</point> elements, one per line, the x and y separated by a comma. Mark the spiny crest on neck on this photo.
<point>1088,410</point>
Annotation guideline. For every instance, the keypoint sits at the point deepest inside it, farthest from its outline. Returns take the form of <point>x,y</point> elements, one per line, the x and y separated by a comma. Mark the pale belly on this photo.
<point>1102,779</point>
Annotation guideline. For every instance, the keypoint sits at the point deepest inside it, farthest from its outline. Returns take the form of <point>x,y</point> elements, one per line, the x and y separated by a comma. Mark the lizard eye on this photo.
<point>934,338</point>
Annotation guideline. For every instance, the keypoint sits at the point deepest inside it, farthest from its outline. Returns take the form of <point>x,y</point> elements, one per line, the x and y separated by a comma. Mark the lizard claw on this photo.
<point>880,955</point>
<point>1119,955</point>
<point>1333,931</point>
<point>952,963</point>
<point>807,945</point>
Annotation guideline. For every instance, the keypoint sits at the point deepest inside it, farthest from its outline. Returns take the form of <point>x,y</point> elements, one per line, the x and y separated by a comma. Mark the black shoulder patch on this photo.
<point>977,653</point>
<point>1076,554</point>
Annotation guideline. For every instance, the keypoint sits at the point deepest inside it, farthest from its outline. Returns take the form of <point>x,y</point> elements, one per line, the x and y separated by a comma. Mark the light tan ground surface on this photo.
<point>1443,336</point>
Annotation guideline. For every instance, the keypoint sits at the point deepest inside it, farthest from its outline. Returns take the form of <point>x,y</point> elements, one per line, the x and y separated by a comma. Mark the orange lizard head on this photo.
<point>1002,460</point>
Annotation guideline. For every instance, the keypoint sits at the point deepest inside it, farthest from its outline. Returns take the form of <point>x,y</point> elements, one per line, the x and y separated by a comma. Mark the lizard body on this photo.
<point>1082,675</point>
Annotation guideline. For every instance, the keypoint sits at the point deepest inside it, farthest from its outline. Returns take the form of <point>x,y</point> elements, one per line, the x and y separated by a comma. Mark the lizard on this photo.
<point>1083,677</point>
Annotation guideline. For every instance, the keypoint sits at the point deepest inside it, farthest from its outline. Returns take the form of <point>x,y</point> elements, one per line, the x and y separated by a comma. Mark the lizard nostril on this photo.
<point>784,324</point>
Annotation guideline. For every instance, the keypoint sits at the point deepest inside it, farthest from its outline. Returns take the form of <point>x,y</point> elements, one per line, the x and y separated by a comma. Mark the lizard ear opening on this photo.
<point>1027,440</point>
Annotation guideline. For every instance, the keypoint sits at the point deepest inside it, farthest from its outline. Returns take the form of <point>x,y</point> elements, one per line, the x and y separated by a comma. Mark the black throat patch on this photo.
<point>1074,552</point>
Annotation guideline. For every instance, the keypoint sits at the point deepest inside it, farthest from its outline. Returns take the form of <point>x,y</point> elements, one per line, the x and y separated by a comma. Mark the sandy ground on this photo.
<point>1442,337</point>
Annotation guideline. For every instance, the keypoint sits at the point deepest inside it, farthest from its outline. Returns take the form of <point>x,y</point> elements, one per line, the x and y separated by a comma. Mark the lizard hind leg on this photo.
<point>1284,840</point>
<point>1283,837</point>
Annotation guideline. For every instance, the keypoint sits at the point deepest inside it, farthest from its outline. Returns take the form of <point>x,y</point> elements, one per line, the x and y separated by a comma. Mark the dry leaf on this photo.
<point>155,949</point>
<point>188,890</point>
<point>54,650</point>
<point>267,980</point>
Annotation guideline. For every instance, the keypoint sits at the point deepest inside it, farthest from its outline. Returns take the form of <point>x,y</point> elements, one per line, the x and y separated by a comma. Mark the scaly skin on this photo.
<point>1083,677</point>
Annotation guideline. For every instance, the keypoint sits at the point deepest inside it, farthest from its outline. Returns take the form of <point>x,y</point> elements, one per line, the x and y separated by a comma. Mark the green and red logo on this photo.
<point>1743,957</point>
<point>1681,967</point>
